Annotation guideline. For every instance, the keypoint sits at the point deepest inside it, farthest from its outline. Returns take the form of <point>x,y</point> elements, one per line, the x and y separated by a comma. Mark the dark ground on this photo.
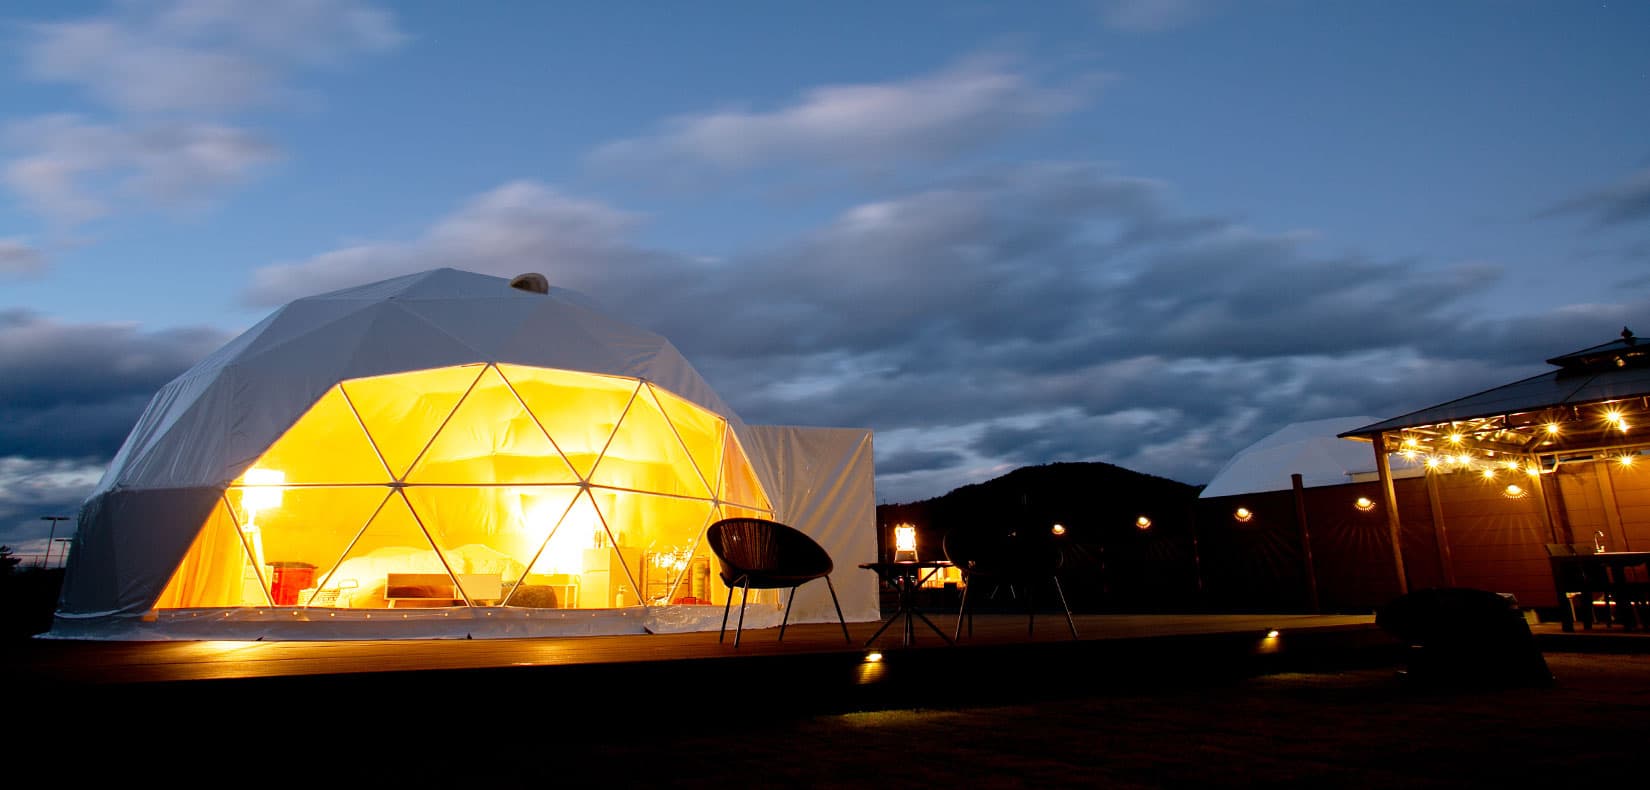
<point>1357,727</point>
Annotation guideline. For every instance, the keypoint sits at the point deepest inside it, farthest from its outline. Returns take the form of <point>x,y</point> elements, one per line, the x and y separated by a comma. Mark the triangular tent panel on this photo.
<point>491,439</point>
<point>217,571</point>
<point>699,430</point>
<point>297,534</point>
<point>327,445</point>
<point>645,455</point>
<point>739,483</point>
<point>489,535</point>
<point>392,564</point>
<point>664,529</point>
<point>579,411</point>
<point>403,411</point>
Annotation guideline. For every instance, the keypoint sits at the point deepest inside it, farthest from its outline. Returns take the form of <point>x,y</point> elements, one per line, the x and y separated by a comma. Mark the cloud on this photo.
<point>169,73</point>
<point>518,227</point>
<point>866,127</point>
<point>35,487</point>
<point>1622,203</point>
<point>71,171</point>
<point>73,390</point>
<point>1057,311</point>
<point>202,55</point>
<point>1151,16</point>
<point>20,259</point>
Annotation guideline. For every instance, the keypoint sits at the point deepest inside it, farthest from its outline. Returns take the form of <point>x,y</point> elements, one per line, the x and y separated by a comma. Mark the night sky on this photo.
<point>1146,232</point>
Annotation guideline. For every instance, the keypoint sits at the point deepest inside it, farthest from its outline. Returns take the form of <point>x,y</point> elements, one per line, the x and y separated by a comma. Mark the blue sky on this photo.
<point>1144,231</point>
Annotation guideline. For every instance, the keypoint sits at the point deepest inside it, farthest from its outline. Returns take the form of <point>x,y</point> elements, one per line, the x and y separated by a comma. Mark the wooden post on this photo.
<point>1440,532</point>
<point>1393,527</point>
<point>1306,541</point>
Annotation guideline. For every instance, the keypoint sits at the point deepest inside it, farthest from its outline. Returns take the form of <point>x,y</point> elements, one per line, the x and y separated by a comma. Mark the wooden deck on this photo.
<point>112,663</point>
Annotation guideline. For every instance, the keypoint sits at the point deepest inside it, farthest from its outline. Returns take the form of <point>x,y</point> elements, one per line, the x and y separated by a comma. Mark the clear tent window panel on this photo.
<point>403,411</point>
<point>491,438</point>
<point>217,571</point>
<point>578,410</point>
<point>449,487</point>
<point>645,454</point>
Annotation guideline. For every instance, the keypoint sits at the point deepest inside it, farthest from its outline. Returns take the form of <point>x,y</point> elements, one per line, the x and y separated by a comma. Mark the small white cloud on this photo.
<point>202,55</point>
<point>70,169</point>
<point>18,258</point>
<point>520,226</point>
<point>865,126</point>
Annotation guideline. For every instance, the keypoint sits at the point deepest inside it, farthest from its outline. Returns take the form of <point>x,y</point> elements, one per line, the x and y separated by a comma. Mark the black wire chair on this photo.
<point>766,555</point>
<point>1006,557</point>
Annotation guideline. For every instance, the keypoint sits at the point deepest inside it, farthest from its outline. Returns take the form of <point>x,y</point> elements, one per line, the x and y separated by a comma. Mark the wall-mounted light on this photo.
<point>1143,523</point>
<point>1364,503</point>
<point>1513,491</point>
<point>1058,529</point>
<point>1243,514</point>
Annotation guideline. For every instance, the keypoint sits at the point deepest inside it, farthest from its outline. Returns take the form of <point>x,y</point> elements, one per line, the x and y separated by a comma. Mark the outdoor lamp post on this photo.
<point>63,555</point>
<point>50,540</point>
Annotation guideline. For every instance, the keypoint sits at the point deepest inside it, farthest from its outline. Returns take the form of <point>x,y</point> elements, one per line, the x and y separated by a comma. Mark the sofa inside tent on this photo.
<point>551,471</point>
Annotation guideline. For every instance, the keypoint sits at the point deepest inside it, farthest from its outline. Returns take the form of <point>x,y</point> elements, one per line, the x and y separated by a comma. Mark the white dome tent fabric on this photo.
<point>1310,449</point>
<point>443,455</point>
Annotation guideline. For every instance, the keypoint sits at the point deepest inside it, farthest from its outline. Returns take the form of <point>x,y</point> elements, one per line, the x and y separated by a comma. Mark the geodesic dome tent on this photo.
<point>444,455</point>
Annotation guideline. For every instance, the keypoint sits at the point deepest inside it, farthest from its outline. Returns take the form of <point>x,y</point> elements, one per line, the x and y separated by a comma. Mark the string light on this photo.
<point>1410,441</point>
<point>1489,474</point>
<point>1552,429</point>
<point>1455,438</point>
<point>1626,459</point>
<point>1433,462</point>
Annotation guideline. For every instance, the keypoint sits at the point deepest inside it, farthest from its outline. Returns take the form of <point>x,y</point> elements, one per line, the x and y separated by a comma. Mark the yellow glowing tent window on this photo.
<point>480,485</point>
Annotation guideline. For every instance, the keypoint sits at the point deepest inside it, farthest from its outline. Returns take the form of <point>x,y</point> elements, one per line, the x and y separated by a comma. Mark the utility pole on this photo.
<point>46,560</point>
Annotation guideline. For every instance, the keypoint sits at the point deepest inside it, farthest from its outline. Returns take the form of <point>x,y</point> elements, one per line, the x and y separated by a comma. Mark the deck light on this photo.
<point>1058,529</point>
<point>1143,522</point>
<point>873,657</point>
<point>1513,491</point>
<point>1364,503</point>
<point>1243,514</point>
<point>1272,634</point>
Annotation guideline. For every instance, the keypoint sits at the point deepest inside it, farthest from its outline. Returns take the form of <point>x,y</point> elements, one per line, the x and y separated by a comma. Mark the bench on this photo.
<point>438,588</point>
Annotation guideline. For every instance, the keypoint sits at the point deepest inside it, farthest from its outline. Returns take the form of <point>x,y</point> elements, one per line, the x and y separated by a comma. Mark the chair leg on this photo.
<point>961,612</point>
<point>1031,612</point>
<point>789,599</point>
<point>843,621</point>
<point>1063,605</point>
<point>723,634</point>
<point>743,597</point>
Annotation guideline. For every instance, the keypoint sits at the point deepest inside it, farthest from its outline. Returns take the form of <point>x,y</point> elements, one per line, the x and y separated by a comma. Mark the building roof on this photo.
<point>1613,371</point>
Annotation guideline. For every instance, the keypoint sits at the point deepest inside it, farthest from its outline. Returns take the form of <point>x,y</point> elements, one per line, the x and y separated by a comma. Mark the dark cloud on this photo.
<point>1621,203</point>
<point>74,390</point>
<point>918,461</point>
<point>1023,315</point>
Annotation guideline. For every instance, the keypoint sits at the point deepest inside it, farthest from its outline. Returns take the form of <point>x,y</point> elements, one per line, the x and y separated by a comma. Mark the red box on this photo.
<point>287,578</point>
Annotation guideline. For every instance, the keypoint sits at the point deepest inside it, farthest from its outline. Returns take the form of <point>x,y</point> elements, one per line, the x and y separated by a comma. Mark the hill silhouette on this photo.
<point>1111,561</point>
